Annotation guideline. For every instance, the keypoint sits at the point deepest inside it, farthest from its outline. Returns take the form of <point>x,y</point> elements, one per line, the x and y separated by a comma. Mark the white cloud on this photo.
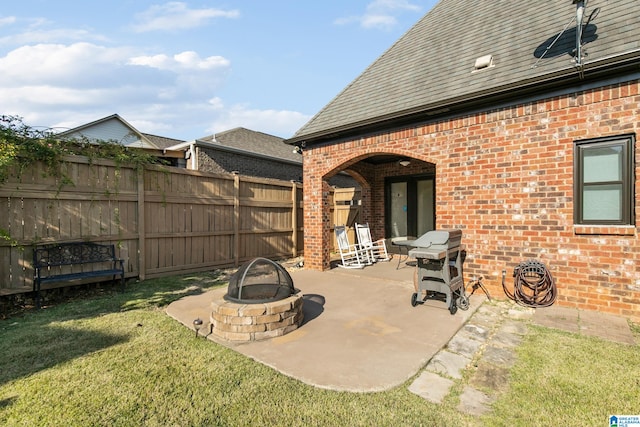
<point>63,78</point>
<point>7,20</point>
<point>378,21</point>
<point>46,64</point>
<point>49,36</point>
<point>192,74</point>
<point>188,60</point>
<point>380,14</point>
<point>85,66</point>
<point>63,86</point>
<point>177,16</point>
<point>216,103</point>
<point>391,5</point>
<point>68,85</point>
<point>38,30</point>
<point>66,108</point>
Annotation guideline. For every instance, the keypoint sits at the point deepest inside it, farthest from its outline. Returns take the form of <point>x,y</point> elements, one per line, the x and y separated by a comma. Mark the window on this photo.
<point>604,181</point>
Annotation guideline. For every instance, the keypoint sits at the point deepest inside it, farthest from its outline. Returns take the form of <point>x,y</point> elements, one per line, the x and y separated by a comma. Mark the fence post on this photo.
<point>141,225</point>
<point>294,218</point>
<point>236,218</point>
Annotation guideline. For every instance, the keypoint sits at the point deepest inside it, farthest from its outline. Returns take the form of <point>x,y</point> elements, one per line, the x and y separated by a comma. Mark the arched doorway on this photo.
<point>380,174</point>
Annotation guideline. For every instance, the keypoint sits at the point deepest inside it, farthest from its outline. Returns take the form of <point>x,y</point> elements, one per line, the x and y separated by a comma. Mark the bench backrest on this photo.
<point>72,253</point>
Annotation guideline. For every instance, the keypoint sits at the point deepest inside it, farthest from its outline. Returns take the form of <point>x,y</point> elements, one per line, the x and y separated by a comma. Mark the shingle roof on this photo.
<point>432,65</point>
<point>162,141</point>
<point>253,142</point>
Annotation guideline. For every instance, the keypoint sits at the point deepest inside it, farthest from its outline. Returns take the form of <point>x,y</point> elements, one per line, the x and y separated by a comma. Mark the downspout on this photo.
<point>194,156</point>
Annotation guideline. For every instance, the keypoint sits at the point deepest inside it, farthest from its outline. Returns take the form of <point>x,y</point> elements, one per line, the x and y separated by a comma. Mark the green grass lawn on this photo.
<point>118,360</point>
<point>565,379</point>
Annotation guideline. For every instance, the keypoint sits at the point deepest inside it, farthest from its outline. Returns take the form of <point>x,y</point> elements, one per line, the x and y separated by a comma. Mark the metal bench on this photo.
<point>63,262</point>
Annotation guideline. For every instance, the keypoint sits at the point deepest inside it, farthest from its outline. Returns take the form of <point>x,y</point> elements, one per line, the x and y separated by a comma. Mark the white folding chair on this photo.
<point>352,255</point>
<point>377,250</point>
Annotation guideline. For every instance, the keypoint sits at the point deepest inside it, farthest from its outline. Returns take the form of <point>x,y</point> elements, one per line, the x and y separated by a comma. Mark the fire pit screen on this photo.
<point>260,280</point>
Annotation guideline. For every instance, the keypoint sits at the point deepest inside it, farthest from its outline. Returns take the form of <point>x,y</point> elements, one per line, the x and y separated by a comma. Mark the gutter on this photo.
<point>193,146</point>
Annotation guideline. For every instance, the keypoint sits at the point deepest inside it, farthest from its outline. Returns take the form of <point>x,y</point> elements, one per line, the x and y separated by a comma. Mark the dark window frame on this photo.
<point>627,208</point>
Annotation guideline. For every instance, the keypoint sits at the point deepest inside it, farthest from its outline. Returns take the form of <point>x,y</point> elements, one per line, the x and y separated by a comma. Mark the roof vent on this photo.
<point>483,62</point>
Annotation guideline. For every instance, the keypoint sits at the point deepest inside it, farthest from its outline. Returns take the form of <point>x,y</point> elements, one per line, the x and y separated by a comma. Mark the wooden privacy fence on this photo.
<point>163,221</point>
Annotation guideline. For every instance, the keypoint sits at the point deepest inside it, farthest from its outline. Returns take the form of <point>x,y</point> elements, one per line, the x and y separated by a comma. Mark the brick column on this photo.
<point>313,219</point>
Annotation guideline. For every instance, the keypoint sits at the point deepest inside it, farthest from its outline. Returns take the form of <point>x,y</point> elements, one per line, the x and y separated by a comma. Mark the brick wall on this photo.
<point>505,177</point>
<point>225,162</point>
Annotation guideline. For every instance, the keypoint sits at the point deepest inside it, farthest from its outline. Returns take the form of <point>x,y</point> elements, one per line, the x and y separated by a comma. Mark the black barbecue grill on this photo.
<point>439,268</point>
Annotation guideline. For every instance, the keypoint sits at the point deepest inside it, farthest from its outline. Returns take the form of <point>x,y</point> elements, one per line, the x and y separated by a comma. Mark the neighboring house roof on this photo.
<point>249,142</point>
<point>431,69</point>
<point>112,128</point>
<point>239,140</point>
<point>162,141</point>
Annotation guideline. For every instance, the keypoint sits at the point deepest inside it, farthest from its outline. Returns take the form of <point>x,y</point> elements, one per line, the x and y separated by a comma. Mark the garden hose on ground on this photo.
<point>533,285</point>
<point>477,283</point>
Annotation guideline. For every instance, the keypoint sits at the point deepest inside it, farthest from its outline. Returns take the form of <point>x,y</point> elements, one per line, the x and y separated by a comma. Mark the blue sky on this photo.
<point>186,69</point>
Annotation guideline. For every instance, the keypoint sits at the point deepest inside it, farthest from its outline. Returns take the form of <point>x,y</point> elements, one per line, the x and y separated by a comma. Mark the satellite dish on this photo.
<point>580,31</point>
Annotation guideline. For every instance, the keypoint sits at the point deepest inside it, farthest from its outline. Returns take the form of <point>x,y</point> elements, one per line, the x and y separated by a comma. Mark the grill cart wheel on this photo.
<point>453,307</point>
<point>414,299</point>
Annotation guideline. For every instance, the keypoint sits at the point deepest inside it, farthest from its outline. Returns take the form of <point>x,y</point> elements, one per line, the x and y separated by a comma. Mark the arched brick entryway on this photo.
<point>370,168</point>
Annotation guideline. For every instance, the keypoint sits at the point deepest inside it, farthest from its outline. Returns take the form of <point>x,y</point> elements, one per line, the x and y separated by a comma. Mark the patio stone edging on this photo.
<point>485,342</point>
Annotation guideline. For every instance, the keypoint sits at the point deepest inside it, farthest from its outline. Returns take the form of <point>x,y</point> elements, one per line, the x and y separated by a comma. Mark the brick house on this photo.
<point>515,122</point>
<point>244,151</point>
<point>252,153</point>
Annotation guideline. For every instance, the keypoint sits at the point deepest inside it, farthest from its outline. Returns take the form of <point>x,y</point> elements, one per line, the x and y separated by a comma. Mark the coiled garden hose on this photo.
<point>533,285</point>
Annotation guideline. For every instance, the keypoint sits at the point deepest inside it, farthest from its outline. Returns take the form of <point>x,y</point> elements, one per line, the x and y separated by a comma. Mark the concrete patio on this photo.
<point>360,331</point>
<point>361,334</point>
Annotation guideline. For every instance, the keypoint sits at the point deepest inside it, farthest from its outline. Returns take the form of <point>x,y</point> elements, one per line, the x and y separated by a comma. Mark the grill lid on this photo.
<point>439,239</point>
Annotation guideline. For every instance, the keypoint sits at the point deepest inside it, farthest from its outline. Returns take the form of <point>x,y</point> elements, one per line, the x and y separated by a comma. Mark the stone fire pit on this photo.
<point>261,302</point>
<point>252,322</point>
